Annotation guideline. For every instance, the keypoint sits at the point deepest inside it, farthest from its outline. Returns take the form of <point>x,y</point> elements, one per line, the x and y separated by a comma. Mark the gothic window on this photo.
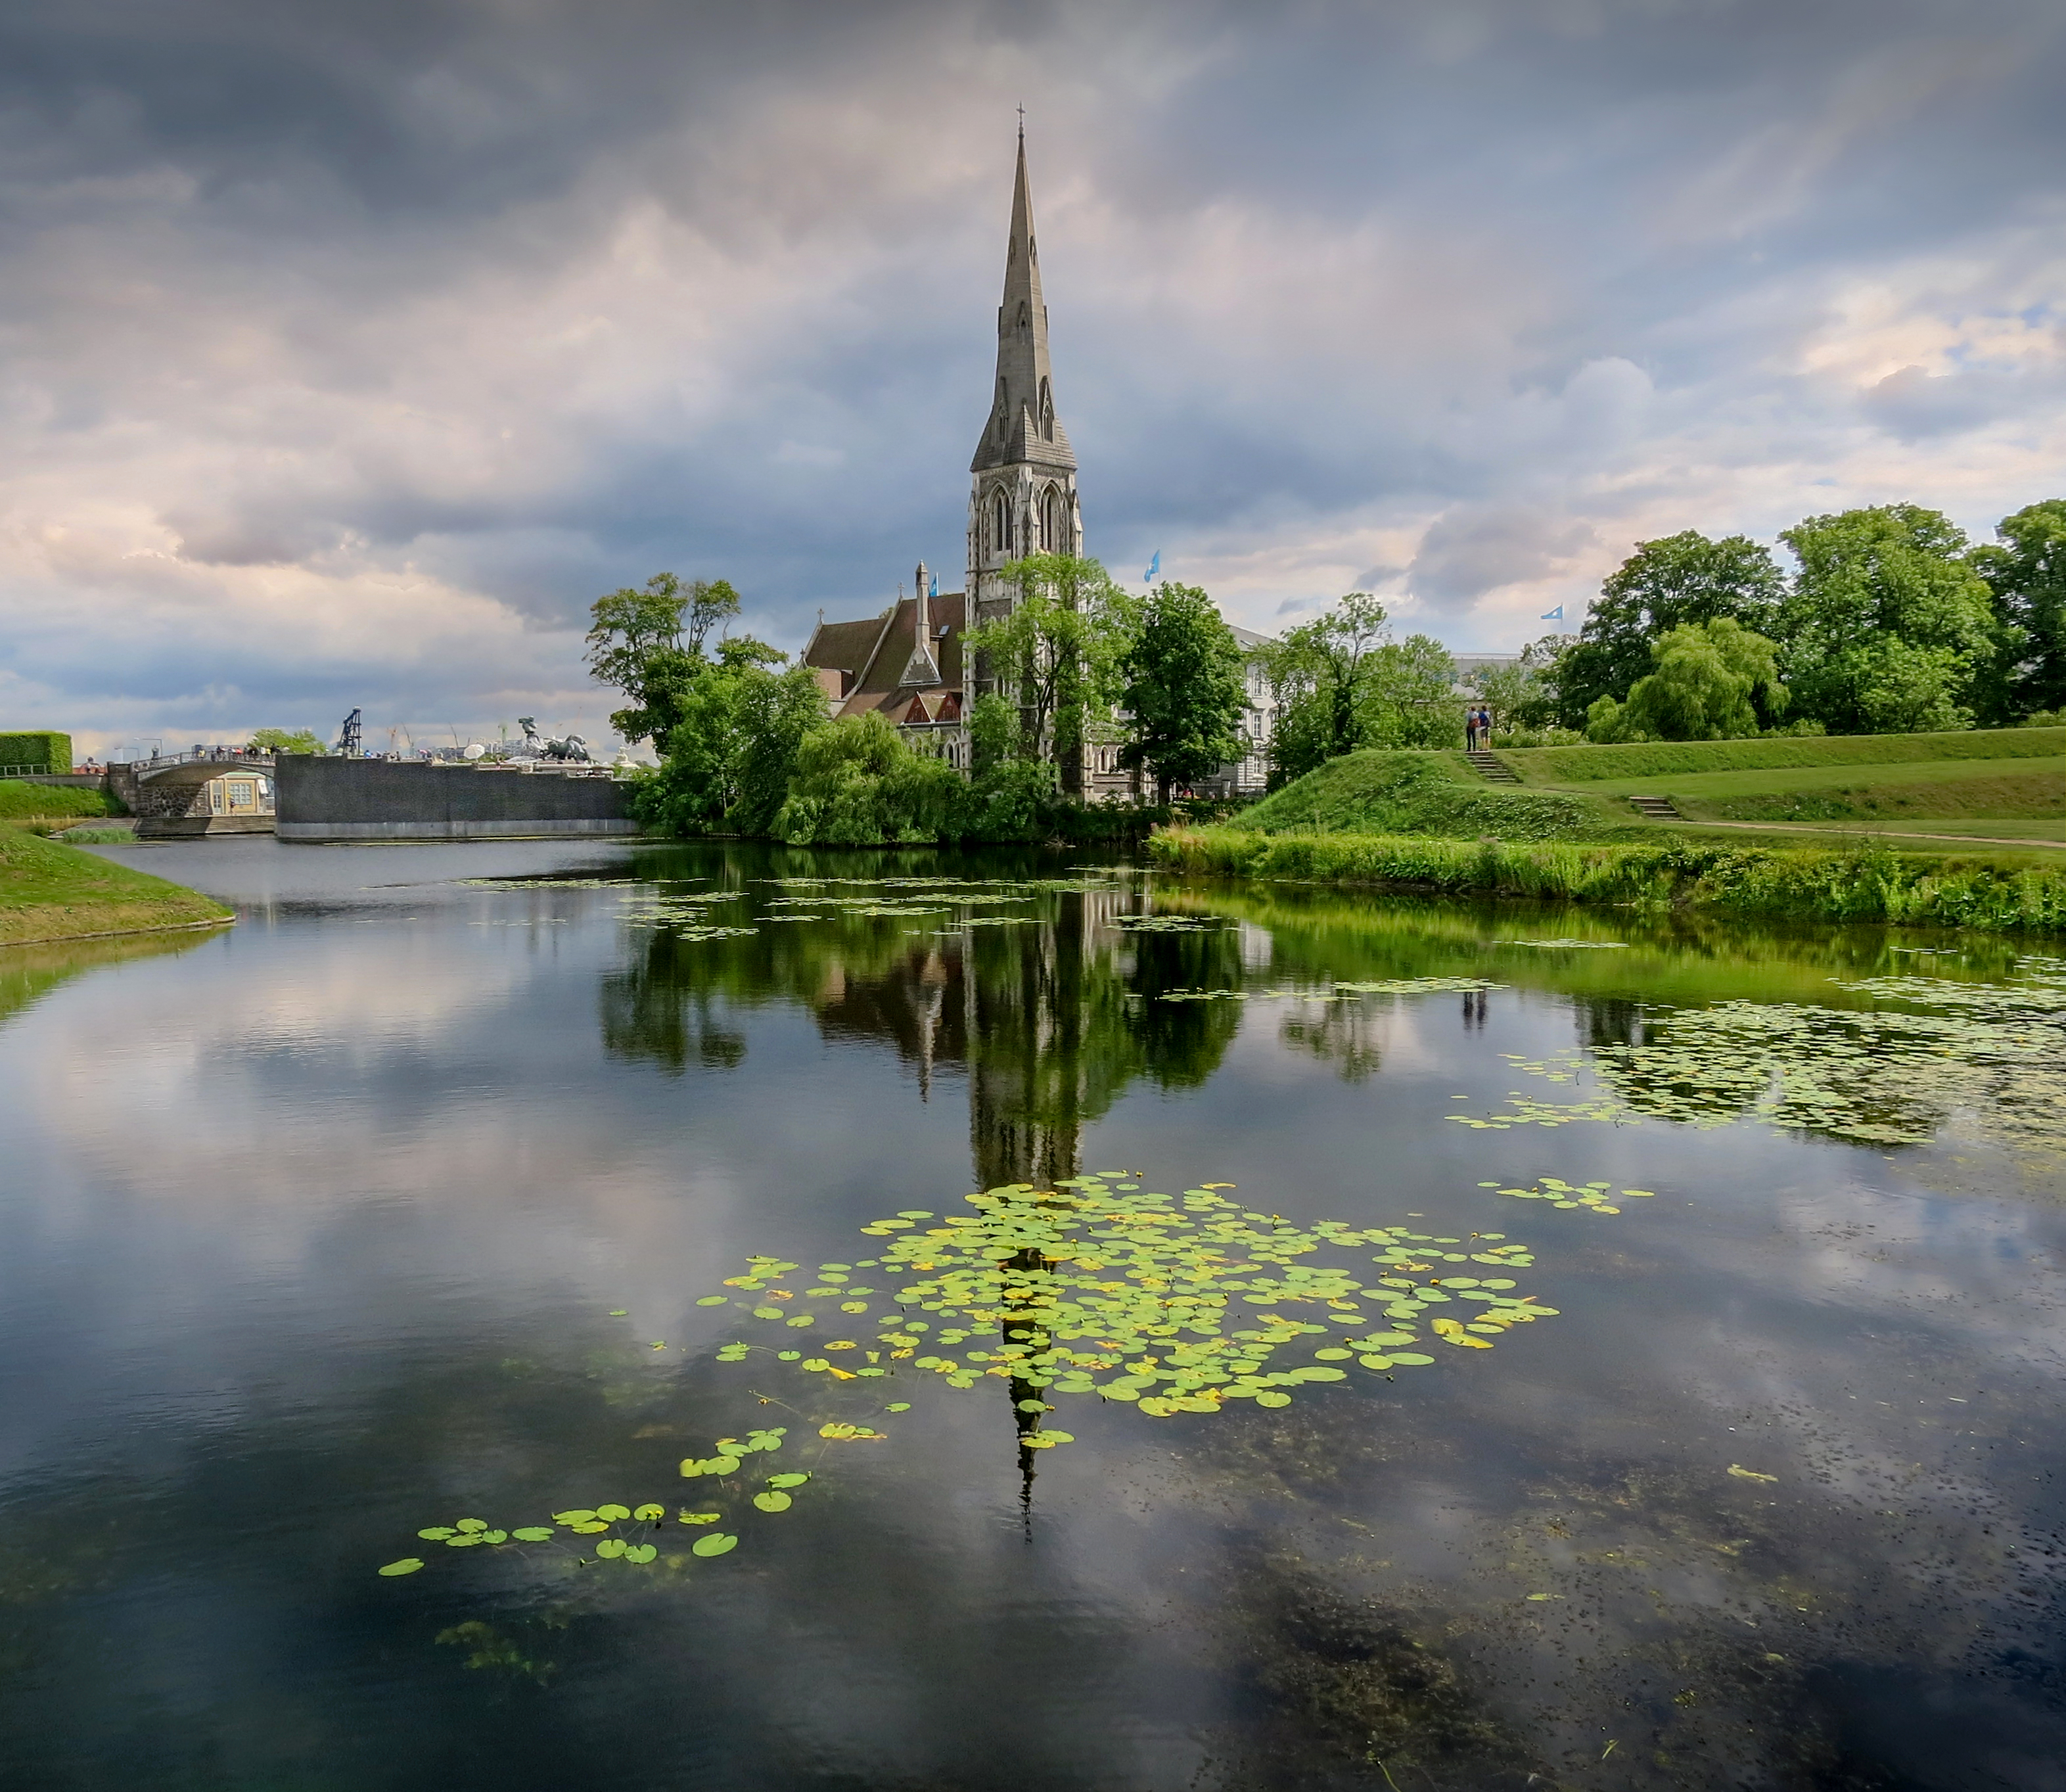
<point>1046,411</point>
<point>1000,525</point>
<point>1025,316</point>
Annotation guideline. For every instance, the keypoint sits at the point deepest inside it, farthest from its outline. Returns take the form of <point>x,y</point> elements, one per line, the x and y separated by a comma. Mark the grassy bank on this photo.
<point>1873,884</point>
<point>1377,792</point>
<point>51,892</point>
<point>21,800</point>
<point>1554,766</point>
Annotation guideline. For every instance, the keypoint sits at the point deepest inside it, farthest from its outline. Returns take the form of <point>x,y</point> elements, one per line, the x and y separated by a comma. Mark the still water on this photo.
<point>424,1195</point>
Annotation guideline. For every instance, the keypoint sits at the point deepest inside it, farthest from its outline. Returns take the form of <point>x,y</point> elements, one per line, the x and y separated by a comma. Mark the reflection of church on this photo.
<point>907,663</point>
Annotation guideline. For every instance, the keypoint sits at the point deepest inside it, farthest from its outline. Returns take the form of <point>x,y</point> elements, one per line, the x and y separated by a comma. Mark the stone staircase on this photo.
<point>1655,808</point>
<point>1491,768</point>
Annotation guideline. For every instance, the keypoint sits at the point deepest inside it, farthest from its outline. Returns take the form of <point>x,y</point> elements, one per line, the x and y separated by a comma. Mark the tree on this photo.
<point>2026,577</point>
<point>649,645</point>
<point>856,783</point>
<point>728,759</point>
<point>1341,683</point>
<point>1185,689</point>
<point>1712,681</point>
<point>1663,584</point>
<point>1889,628</point>
<point>1056,654</point>
<point>278,741</point>
<point>1523,694</point>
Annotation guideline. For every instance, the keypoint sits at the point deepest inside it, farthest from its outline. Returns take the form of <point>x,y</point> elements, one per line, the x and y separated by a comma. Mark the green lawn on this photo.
<point>1949,789</point>
<point>1556,767</point>
<point>21,800</point>
<point>50,892</point>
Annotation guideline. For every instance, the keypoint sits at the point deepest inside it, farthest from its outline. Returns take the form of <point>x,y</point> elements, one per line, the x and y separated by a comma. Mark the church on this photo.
<point>908,663</point>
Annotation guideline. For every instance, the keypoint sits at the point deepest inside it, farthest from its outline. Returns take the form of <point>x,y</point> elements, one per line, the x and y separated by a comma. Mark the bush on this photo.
<point>1871,885</point>
<point>35,750</point>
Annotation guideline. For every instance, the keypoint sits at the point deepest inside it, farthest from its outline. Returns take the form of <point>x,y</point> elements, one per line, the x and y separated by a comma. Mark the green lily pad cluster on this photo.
<point>1996,1062</point>
<point>1596,1198</point>
<point>1176,1304</point>
<point>1571,945</point>
<point>1336,992</point>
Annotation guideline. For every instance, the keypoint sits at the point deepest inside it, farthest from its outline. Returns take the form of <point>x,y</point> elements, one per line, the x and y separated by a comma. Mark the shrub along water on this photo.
<point>1871,885</point>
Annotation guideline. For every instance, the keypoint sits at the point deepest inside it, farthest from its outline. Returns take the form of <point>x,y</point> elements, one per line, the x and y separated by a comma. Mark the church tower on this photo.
<point>1022,480</point>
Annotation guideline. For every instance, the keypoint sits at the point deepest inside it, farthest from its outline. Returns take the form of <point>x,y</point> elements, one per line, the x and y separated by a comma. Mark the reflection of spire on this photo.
<point>931,1007</point>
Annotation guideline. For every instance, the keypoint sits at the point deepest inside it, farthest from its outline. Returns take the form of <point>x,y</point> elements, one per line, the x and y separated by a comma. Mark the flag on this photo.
<point>1154,566</point>
<point>1556,615</point>
<point>935,591</point>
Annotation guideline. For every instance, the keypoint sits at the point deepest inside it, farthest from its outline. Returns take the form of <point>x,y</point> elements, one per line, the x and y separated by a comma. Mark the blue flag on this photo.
<point>1556,615</point>
<point>1154,566</point>
<point>935,591</point>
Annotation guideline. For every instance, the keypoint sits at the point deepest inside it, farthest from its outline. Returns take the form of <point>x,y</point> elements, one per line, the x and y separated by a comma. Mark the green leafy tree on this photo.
<point>1185,689</point>
<point>649,645</point>
<point>1711,681</point>
<point>856,783</point>
<point>1342,683</point>
<point>728,759</point>
<point>1889,628</point>
<point>1664,584</point>
<point>279,740</point>
<point>1523,694</point>
<point>1055,654</point>
<point>2027,576</point>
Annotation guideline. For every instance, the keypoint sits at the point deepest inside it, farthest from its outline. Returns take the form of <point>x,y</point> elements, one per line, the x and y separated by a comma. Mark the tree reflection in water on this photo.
<point>1047,1016</point>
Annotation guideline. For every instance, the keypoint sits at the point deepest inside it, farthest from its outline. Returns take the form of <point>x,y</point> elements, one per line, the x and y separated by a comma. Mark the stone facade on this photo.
<point>907,663</point>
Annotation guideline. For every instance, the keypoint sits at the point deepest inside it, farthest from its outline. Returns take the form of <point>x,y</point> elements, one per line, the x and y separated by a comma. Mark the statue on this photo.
<point>572,750</point>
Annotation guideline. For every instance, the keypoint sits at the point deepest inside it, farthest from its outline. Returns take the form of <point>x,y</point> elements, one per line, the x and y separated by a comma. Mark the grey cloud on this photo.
<point>1476,549</point>
<point>1342,267</point>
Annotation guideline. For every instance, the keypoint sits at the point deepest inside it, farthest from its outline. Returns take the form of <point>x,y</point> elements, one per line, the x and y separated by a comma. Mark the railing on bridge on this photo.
<point>224,756</point>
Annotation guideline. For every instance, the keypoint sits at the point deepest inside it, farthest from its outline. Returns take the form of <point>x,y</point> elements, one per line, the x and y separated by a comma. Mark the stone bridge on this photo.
<point>210,790</point>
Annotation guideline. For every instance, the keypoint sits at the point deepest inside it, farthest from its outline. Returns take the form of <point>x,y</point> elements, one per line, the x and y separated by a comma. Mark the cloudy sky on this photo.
<point>349,351</point>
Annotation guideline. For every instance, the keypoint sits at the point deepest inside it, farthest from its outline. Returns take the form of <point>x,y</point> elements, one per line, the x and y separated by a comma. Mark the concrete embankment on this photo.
<point>338,801</point>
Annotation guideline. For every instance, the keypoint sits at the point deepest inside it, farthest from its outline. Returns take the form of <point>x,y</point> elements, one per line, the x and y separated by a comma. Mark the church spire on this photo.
<point>1023,426</point>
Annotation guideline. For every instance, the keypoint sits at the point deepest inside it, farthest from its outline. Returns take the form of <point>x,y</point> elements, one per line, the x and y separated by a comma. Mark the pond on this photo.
<point>552,1316</point>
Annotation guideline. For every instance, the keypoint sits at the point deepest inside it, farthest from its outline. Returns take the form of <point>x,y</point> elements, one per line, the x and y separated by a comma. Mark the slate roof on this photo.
<point>877,668</point>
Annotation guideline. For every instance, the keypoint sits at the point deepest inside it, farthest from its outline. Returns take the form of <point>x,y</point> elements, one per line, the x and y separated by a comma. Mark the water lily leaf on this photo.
<point>697,1517</point>
<point>773,1502</point>
<point>1332,1355</point>
<point>898,1406</point>
<point>620,1312</point>
<point>720,1543</point>
<point>579,1515</point>
<point>1743,1474</point>
<point>640,1552</point>
<point>613,1513</point>
<point>437,1533</point>
<point>1374,1362</point>
<point>768,1312</point>
<point>1410,1359</point>
<point>1272,1399</point>
<point>609,1548</point>
<point>721,1465</point>
<point>471,1525</point>
<point>787,1480</point>
<point>532,1533</point>
<point>590,1528</point>
<point>712,1300</point>
<point>648,1510</point>
<point>408,1565</point>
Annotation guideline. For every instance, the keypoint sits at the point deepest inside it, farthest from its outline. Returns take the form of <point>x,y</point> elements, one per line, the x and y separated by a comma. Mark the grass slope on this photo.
<point>22,801</point>
<point>1555,766</point>
<point>1862,884</point>
<point>1378,791</point>
<point>52,892</point>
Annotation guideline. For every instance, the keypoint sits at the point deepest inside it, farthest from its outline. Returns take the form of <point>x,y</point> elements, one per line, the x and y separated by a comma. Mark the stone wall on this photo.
<point>373,799</point>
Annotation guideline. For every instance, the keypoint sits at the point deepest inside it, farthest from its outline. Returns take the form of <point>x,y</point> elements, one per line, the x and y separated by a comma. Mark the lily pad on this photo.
<point>718,1544</point>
